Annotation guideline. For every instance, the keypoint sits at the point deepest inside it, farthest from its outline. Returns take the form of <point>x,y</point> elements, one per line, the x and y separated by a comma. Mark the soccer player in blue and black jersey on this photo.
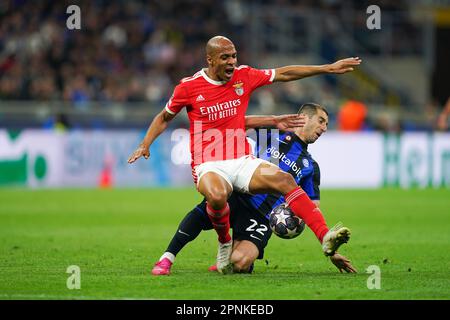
<point>249,213</point>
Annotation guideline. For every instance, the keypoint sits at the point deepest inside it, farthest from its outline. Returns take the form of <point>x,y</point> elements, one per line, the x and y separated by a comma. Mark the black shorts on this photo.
<point>247,223</point>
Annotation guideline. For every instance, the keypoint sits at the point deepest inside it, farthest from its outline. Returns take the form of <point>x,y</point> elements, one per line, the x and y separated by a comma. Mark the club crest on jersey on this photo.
<point>305,163</point>
<point>239,88</point>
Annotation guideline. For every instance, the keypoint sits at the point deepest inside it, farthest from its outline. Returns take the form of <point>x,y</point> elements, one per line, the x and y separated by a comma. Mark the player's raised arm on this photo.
<point>285,122</point>
<point>296,72</point>
<point>158,125</point>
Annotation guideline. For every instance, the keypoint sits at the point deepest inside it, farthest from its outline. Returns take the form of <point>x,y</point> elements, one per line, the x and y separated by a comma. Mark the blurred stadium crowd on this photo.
<point>133,51</point>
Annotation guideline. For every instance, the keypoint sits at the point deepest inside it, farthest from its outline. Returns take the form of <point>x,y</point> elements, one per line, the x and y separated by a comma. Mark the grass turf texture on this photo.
<point>115,236</point>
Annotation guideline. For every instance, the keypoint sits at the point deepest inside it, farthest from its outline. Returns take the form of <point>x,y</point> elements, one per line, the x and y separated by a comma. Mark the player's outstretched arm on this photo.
<point>342,263</point>
<point>158,125</point>
<point>285,122</point>
<point>290,73</point>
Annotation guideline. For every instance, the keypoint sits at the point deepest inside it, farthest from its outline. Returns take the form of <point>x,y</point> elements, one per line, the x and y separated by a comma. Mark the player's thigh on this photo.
<point>214,187</point>
<point>269,178</point>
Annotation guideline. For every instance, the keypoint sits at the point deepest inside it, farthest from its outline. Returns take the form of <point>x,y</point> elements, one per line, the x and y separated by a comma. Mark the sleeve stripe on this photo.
<point>168,110</point>
<point>273,75</point>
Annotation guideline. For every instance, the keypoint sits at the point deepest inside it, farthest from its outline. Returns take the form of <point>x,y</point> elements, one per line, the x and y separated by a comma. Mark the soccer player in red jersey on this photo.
<point>216,99</point>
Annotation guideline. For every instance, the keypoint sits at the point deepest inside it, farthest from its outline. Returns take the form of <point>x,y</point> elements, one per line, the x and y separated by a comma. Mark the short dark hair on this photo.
<point>310,109</point>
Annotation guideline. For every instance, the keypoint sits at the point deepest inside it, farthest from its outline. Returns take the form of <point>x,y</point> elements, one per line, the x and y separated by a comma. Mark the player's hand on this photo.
<point>344,65</point>
<point>140,151</point>
<point>342,263</point>
<point>289,122</point>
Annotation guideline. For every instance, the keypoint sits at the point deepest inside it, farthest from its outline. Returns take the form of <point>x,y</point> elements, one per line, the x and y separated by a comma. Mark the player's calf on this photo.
<point>216,198</point>
<point>220,219</point>
<point>307,210</point>
<point>244,255</point>
<point>215,189</point>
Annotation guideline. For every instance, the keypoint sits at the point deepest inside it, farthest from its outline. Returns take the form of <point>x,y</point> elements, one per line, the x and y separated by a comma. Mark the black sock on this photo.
<point>191,226</point>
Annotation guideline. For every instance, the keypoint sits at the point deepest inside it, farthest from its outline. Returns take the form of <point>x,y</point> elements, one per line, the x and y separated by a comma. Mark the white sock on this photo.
<point>168,255</point>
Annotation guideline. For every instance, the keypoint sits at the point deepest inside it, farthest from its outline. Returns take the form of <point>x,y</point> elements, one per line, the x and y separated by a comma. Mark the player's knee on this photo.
<point>217,198</point>
<point>236,256</point>
<point>243,265</point>
<point>285,182</point>
<point>241,261</point>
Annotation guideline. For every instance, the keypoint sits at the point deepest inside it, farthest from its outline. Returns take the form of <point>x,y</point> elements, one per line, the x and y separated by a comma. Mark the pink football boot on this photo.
<point>162,268</point>
<point>213,268</point>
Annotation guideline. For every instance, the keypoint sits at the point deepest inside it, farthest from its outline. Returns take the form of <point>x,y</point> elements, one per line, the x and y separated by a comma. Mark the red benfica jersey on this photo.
<point>216,112</point>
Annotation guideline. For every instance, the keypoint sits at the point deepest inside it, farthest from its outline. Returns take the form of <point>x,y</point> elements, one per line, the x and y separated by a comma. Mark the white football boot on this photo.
<point>334,238</point>
<point>224,264</point>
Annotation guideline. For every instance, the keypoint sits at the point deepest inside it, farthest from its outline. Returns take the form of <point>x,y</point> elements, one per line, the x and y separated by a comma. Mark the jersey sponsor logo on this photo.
<point>221,110</point>
<point>200,98</point>
<point>280,156</point>
<point>238,88</point>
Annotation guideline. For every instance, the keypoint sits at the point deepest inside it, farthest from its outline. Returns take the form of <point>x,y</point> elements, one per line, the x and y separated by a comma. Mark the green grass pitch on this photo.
<point>115,236</point>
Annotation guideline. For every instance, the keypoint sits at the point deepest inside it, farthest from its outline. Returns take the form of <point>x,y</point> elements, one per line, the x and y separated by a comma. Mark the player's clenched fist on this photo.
<point>141,151</point>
